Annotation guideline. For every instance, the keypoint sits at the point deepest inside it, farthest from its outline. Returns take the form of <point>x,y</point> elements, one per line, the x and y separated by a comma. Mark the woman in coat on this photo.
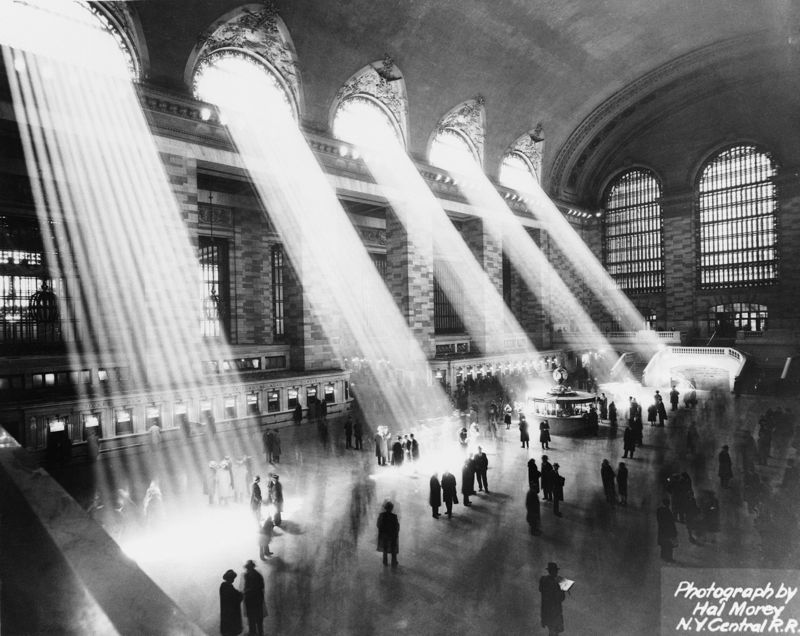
<point>230,606</point>
<point>388,533</point>
<point>435,499</point>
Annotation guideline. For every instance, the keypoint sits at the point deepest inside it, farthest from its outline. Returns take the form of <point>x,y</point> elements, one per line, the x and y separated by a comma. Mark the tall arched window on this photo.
<point>737,208</point>
<point>516,172</point>
<point>632,231</point>
<point>362,120</point>
<point>228,71</point>
<point>451,150</point>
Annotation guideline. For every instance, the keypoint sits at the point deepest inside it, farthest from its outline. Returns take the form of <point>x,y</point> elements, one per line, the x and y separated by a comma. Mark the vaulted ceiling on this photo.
<point>595,73</point>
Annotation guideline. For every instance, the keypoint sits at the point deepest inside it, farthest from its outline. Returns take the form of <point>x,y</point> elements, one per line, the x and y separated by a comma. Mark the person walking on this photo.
<point>558,490</point>
<point>607,476</point>
<point>523,431</point>
<point>622,483</point>
<point>628,442</point>
<point>481,466</point>
<point>533,476</point>
<point>254,604</point>
<point>435,499</point>
<point>725,470</point>
<point>388,533</point>
<point>544,434</point>
<point>667,532</point>
<point>533,517</point>
<point>449,492</point>
<point>255,499</point>
<point>552,598</point>
<point>230,606</point>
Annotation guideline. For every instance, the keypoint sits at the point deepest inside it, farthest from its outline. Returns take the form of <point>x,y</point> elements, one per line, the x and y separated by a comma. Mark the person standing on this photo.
<point>435,499</point>
<point>552,598</point>
<point>255,499</point>
<point>533,476</point>
<point>275,497</point>
<point>481,466</point>
<point>230,606</point>
<point>622,483</point>
<point>254,604</point>
<point>269,441</point>
<point>667,532</point>
<point>603,401</point>
<point>558,490</point>
<point>533,517</point>
<point>507,416</point>
<point>449,492</point>
<point>607,476</point>
<point>379,454</point>
<point>468,480</point>
<point>264,538</point>
<point>523,431</point>
<point>276,447</point>
<point>358,432</point>
<point>725,470</point>
<point>628,442</point>
<point>388,533</point>
<point>547,479</point>
<point>544,434</point>
<point>297,415</point>
<point>673,399</point>
<point>348,432</point>
<point>662,412</point>
<point>398,452</point>
<point>414,448</point>
<point>612,414</point>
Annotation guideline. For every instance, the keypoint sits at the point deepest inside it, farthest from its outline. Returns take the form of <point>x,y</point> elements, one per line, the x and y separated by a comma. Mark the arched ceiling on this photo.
<point>573,65</point>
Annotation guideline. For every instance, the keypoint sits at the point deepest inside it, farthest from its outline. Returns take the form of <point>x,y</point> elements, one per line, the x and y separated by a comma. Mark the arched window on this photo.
<point>737,208</point>
<point>234,75</point>
<point>516,172</point>
<point>632,232</point>
<point>364,121</point>
<point>119,25</point>
<point>451,150</point>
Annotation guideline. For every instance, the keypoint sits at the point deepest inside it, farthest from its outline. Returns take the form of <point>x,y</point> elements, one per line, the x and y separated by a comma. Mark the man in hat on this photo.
<point>558,490</point>
<point>388,533</point>
<point>254,605</point>
<point>275,497</point>
<point>552,598</point>
<point>255,499</point>
<point>230,606</point>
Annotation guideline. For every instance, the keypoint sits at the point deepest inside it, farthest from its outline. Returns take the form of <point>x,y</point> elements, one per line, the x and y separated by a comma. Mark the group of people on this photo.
<point>251,594</point>
<point>228,480</point>
<point>404,449</point>
<point>608,477</point>
<point>550,483</point>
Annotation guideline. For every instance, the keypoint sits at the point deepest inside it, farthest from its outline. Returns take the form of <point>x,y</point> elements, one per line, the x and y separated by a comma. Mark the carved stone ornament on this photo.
<point>383,82</point>
<point>257,29</point>
<point>469,118</point>
<point>531,145</point>
<point>119,21</point>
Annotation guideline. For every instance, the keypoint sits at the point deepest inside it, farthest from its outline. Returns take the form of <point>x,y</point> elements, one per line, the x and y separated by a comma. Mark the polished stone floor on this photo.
<point>476,573</point>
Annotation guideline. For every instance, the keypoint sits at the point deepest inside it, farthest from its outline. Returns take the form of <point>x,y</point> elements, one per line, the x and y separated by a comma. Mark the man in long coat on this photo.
<point>552,598</point>
<point>481,466</point>
<point>449,492</point>
<point>468,480</point>
<point>628,442</point>
<point>533,475</point>
<point>547,478</point>
<point>398,452</point>
<point>255,499</point>
<point>230,606</point>
<point>435,498</point>
<point>558,490</point>
<point>607,475</point>
<point>388,533</point>
<point>667,532</point>
<point>275,496</point>
<point>254,605</point>
<point>725,467</point>
<point>533,517</point>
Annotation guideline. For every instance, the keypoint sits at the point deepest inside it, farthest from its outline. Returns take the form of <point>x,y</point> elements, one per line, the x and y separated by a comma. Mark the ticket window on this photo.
<point>230,407</point>
<point>152,416</point>
<point>181,415</point>
<point>92,426</point>
<point>293,396</point>
<point>330,395</point>
<point>123,422</point>
<point>273,401</point>
<point>311,395</point>
<point>252,404</point>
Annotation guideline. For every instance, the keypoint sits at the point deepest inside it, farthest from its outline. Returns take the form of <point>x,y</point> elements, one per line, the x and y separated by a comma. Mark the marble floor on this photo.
<point>476,573</point>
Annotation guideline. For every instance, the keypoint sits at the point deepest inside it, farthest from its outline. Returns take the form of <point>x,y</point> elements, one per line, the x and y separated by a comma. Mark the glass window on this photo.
<point>363,121</point>
<point>737,230</point>
<point>278,325</point>
<point>452,151</point>
<point>275,362</point>
<point>92,424</point>
<point>123,422</point>
<point>446,310</point>
<point>252,404</point>
<point>216,286</point>
<point>330,396</point>
<point>230,407</point>
<point>206,411</point>
<point>273,401</point>
<point>633,233</point>
<point>292,395</point>
<point>311,394</point>
<point>517,173</point>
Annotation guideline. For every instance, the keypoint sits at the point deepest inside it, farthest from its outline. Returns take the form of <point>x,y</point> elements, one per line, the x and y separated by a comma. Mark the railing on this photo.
<point>707,351</point>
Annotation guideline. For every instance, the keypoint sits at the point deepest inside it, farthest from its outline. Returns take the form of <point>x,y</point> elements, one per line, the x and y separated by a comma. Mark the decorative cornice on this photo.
<point>573,156</point>
<point>469,118</point>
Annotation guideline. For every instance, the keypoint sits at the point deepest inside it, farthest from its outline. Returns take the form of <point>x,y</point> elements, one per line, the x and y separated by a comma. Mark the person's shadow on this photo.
<point>290,527</point>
